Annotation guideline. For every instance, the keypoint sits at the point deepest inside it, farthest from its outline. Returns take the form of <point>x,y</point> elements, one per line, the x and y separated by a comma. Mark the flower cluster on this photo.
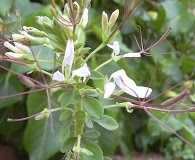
<point>67,63</point>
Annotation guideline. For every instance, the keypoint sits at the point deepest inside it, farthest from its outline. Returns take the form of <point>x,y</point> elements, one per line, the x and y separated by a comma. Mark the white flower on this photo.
<point>125,84</point>
<point>58,76</point>
<point>116,51</point>
<point>82,72</point>
<point>68,55</point>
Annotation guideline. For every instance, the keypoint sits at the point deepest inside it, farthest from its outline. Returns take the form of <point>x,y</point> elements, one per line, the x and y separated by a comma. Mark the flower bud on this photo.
<point>23,48</point>
<point>66,25</point>
<point>34,32</point>
<point>113,18</point>
<point>45,22</point>
<point>44,114</point>
<point>27,39</point>
<point>104,22</point>
<point>43,19</point>
<point>76,6</point>
<point>12,55</point>
<point>12,48</point>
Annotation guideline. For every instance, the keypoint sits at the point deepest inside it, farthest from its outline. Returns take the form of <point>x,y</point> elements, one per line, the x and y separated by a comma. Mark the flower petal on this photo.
<point>108,89</point>
<point>58,76</point>
<point>143,92</point>
<point>132,55</point>
<point>115,47</point>
<point>69,54</point>
<point>81,72</point>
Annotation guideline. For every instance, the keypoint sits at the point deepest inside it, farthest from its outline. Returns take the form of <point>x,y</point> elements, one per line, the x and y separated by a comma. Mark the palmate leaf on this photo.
<point>39,141</point>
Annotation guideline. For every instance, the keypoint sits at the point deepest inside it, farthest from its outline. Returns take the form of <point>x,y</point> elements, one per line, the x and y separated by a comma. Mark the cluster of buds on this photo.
<point>108,24</point>
<point>18,51</point>
<point>73,18</point>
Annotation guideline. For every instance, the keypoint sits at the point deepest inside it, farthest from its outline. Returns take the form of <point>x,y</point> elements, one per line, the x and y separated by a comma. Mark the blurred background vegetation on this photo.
<point>137,131</point>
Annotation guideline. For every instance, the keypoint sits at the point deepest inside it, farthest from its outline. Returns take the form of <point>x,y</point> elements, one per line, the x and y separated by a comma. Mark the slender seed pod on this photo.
<point>176,99</point>
<point>27,82</point>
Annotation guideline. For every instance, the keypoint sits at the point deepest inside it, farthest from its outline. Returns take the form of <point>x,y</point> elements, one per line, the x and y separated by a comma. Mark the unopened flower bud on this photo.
<point>45,22</point>
<point>12,48</point>
<point>104,22</point>
<point>16,56</point>
<point>22,48</point>
<point>18,37</point>
<point>26,81</point>
<point>76,6</point>
<point>113,18</point>
<point>43,19</point>
<point>27,39</point>
<point>66,25</point>
<point>44,114</point>
<point>34,32</point>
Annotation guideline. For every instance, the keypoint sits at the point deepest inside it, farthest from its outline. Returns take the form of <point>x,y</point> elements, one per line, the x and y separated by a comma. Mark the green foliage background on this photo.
<point>136,131</point>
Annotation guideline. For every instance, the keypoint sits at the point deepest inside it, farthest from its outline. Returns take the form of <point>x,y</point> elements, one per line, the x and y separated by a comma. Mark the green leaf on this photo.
<point>25,7</point>
<point>64,132</point>
<point>9,85</point>
<point>110,140</point>
<point>79,115</point>
<point>66,98</point>
<point>95,149</point>
<point>65,115</point>
<point>172,122</point>
<point>177,18</point>
<point>95,75</point>
<point>5,6</point>
<point>84,51</point>
<point>45,55</point>
<point>107,122</point>
<point>91,134</point>
<point>88,123</point>
<point>68,144</point>
<point>39,141</point>
<point>154,128</point>
<point>107,158</point>
<point>93,107</point>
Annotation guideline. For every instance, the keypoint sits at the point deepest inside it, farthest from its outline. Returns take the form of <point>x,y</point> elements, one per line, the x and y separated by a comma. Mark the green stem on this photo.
<point>188,129</point>
<point>47,73</point>
<point>119,105</point>
<point>79,122</point>
<point>95,51</point>
<point>103,64</point>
